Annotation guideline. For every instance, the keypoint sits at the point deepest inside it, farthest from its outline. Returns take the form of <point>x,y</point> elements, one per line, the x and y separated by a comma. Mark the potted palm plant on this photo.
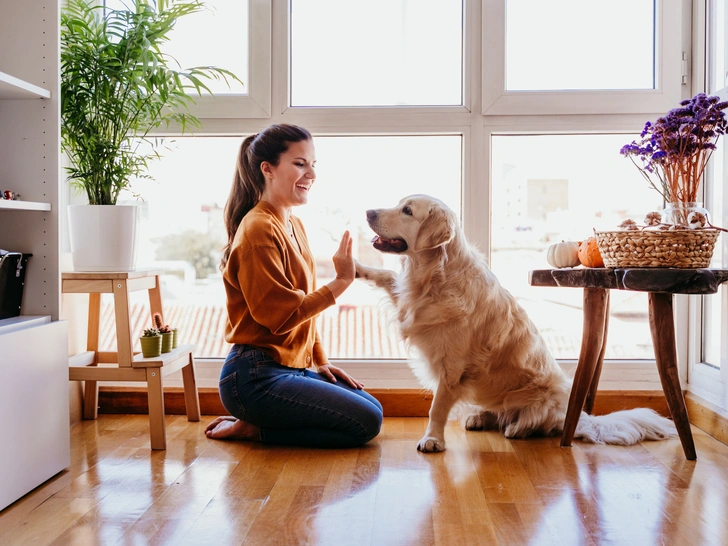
<point>117,87</point>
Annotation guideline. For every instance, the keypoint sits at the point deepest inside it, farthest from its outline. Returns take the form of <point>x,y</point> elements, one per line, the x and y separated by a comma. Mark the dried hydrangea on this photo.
<point>628,225</point>
<point>697,220</point>
<point>653,219</point>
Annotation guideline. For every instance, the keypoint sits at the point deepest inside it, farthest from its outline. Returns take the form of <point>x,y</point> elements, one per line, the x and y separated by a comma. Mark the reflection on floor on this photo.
<point>484,489</point>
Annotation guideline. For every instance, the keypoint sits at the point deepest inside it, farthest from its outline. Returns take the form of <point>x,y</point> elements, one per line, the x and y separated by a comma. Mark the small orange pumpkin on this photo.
<point>589,254</point>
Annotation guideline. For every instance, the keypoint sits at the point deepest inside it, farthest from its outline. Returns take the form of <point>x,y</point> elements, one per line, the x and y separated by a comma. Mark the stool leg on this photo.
<point>155,397</point>
<point>91,388</point>
<point>192,400</point>
<point>595,304</point>
<point>155,300</point>
<point>592,394</point>
<point>124,342</point>
<point>663,339</point>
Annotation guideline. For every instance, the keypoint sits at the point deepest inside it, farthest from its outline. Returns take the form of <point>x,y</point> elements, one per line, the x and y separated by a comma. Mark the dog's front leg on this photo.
<point>381,278</point>
<point>442,402</point>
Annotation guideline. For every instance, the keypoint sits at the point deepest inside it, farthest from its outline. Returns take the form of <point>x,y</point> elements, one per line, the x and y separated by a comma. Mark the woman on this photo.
<point>270,279</point>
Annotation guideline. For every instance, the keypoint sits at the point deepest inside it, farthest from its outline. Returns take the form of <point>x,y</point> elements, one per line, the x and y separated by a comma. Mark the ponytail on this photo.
<point>248,181</point>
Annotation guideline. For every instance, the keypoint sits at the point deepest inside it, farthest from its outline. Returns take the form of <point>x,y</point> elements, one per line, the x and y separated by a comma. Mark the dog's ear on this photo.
<point>435,230</point>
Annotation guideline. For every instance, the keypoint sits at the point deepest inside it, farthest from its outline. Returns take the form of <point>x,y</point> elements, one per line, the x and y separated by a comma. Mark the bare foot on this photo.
<point>230,428</point>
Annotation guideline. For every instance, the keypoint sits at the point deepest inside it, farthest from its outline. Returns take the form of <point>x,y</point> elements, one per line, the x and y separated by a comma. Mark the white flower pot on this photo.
<point>103,237</point>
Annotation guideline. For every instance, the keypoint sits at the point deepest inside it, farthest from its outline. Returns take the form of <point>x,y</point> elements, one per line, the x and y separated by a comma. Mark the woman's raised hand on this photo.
<point>344,266</point>
<point>344,259</point>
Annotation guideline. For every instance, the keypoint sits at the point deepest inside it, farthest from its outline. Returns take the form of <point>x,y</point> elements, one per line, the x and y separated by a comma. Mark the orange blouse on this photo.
<point>270,285</point>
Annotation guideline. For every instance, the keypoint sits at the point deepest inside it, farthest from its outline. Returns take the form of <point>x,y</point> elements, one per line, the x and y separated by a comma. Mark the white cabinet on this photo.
<point>34,351</point>
<point>33,403</point>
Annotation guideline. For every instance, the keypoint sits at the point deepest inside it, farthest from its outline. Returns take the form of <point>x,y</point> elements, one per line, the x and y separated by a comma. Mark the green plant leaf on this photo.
<point>117,85</point>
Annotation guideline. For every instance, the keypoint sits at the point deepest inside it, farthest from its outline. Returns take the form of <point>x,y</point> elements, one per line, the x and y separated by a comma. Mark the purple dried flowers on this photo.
<point>672,152</point>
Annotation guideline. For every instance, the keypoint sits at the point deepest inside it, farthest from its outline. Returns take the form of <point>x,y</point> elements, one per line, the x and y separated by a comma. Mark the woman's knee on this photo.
<point>231,401</point>
<point>371,423</point>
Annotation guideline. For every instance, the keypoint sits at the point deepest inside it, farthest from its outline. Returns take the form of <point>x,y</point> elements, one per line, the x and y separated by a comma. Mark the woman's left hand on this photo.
<point>331,372</point>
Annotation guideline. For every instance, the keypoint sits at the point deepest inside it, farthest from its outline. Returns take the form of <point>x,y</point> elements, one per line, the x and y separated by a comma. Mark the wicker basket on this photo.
<point>687,249</point>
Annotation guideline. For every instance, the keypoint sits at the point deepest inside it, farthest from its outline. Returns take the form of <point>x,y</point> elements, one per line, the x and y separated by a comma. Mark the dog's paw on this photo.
<point>428,444</point>
<point>514,432</point>
<point>362,271</point>
<point>474,422</point>
<point>484,420</point>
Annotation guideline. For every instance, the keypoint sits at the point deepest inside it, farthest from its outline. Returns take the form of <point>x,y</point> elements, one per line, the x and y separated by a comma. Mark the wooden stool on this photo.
<point>93,365</point>
<point>660,284</point>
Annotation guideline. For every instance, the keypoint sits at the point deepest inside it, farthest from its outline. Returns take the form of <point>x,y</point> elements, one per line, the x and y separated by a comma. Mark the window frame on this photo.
<point>476,124</point>
<point>705,380</point>
<point>282,93</point>
<point>257,102</point>
<point>669,67</point>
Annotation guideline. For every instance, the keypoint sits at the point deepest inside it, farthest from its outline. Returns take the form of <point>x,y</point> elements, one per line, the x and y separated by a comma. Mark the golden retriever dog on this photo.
<point>474,342</point>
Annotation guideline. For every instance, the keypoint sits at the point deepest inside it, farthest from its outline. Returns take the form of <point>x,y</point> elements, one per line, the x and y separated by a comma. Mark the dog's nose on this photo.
<point>371,215</point>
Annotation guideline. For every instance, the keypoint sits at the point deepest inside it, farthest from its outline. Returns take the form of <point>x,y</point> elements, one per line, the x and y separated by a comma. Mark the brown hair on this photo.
<point>249,182</point>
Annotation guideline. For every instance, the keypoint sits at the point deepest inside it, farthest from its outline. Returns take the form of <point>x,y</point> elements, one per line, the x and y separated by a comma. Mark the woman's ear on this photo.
<point>267,170</point>
<point>435,230</point>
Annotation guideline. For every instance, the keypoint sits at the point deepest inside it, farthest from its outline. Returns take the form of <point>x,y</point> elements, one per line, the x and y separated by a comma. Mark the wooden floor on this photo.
<point>483,490</point>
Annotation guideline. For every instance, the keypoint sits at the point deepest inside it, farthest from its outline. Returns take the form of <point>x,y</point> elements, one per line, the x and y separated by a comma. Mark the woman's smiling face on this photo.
<point>288,183</point>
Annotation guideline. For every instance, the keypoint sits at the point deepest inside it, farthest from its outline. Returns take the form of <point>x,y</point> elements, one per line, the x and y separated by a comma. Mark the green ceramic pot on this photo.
<point>151,346</point>
<point>166,342</point>
<point>174,338</point>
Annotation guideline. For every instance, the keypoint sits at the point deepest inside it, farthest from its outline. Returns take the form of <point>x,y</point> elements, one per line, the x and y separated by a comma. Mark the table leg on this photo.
<point>91,388</point>
<point>192,400</point>
<point>595,305</point>
<point>663,340</point>
<point>592,394</point>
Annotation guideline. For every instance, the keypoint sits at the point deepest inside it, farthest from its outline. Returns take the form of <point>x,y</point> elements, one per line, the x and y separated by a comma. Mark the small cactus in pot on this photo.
<point>166,331</point>
<point>151,342</point>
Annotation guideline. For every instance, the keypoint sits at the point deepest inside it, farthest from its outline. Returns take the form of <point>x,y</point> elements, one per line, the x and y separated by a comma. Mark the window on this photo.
<point>572,44</point>
<point>546,189</point>
<point>359,325</point>
<point>567,56</point>
<point>216,36</point>
<point>441,98</point>
<point>376,53</point>
<point>709,368</point>
<point>231,34</point>
<point>182,216</point>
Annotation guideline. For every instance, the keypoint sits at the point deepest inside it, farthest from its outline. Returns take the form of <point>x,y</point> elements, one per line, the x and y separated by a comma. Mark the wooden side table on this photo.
<point>93,365</point>
<point>660,285</point>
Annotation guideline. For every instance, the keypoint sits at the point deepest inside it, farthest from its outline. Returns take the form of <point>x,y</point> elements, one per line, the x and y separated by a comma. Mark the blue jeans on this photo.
<point>296,406</point>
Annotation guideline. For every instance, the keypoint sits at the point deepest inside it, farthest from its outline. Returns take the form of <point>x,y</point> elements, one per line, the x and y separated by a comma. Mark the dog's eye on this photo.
<point>407,210</point>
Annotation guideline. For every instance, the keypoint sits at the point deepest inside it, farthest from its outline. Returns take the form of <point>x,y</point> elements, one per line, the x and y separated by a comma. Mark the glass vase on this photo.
<point>677,213</point>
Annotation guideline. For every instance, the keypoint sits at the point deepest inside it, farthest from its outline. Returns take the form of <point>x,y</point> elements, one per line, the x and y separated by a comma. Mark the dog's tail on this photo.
<point>625,427</point>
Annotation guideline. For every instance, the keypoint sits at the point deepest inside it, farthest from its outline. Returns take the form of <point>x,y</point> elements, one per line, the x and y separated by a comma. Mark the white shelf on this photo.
<point>23,205</point>
<point>12,88</point>
<point>34,346</point>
